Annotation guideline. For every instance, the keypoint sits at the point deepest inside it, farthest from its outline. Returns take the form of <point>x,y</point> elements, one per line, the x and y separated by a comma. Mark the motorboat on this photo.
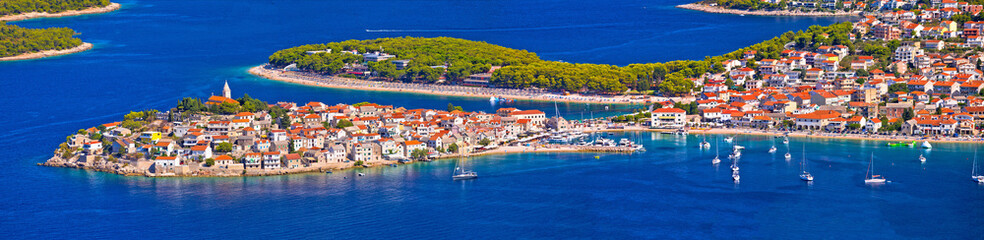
<point>926,145</point>
<point>921,158</point>
<point>772,149</point>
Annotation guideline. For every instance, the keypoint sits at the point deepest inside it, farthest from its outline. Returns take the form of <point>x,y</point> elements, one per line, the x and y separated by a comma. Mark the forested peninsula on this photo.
<point>18,43</point>
<point>456,59</point>
<point>13,7</point>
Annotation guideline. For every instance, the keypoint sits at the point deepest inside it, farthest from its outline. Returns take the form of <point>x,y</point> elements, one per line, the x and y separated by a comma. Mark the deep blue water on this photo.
<point>152,53</point>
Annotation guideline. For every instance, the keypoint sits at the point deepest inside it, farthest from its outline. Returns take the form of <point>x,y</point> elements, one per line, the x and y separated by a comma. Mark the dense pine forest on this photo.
<point>523,69</point>
<point>15,40</point>
<point>11,7</point>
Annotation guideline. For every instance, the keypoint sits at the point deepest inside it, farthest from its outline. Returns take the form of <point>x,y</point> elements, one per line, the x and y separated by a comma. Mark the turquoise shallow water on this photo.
<point>152,53</point>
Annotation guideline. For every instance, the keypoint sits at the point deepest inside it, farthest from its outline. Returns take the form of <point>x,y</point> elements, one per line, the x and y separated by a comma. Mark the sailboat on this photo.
<point>870,177</point>
<point>717,155</point>
<point>805,175</point>
<point>926,145</point>
<point>734,165</point>
<point>785,140</point>
<point>735,176</point>
<point>461,174</point>
<point>921,158</point>
<point>973,173</point>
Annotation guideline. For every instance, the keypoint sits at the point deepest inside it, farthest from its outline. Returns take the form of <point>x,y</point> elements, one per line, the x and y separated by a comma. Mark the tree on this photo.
<point>224,147</point>
<point>418,154</point>
<point>344,123</point>
<point>452,107</point>
<point>209,162</point>
<point>908,114</point>
<point>484,142</point>
<point>453,148</point>
<point>898,87</point>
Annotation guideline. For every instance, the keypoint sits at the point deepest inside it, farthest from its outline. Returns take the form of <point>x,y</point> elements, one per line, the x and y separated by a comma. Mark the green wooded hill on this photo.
<point>11,7</point>
<point>15,40</point>
<point>522,69</point>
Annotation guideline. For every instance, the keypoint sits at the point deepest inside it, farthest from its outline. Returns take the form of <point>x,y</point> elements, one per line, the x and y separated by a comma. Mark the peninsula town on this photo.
<point>897,75</point>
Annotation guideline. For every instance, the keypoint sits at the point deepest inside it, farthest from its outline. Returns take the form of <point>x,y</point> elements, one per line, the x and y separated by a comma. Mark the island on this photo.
<point>248,137</point>
<point>20,43</point>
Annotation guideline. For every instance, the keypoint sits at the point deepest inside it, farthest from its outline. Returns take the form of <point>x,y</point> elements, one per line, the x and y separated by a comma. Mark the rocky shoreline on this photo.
<point>126,169</point>
<point>715,9</point>
<point>24,16</point>
<point>49,53</point>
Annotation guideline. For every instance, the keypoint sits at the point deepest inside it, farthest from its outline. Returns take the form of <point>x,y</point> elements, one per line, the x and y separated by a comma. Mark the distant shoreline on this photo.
<point>94,10</point>
<point>48,53</point>
<point>715,9</point>
<point>357,84</point>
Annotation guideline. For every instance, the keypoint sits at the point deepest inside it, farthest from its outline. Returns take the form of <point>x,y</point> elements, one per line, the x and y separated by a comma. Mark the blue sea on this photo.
<point>150,54</point>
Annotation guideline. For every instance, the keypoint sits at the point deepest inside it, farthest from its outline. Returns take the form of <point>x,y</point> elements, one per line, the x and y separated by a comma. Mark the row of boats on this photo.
<point>805,175</point>
<point>585,139</point>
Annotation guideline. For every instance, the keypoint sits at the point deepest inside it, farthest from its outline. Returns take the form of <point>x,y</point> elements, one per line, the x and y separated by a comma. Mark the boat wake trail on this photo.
<point>495,29</point>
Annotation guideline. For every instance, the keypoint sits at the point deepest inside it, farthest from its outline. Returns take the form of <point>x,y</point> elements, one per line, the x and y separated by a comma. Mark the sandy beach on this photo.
<point>24,16</point>
<point>715,9</point>
<point>444,90</point>
<point>49,53</point>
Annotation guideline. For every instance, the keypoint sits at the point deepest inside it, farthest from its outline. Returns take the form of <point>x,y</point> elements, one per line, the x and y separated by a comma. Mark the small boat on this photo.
<point>805,175</point>
<point>772,149</point>
<point>921,158</point>
<point>788,156</point>
<point>705,145</point>
<point>734,165</point>
<point>729,139</point>
<point>737,154</point>
<point>461,174</point>
<point>361,174</point>
<point>465,175</point>
<point>926,145</point>
<point>735,176</point>
<point>739,147</point>
<point>785,140</point>
<point>870,176</point>
<point>716,159</point>
<point>973,173</point>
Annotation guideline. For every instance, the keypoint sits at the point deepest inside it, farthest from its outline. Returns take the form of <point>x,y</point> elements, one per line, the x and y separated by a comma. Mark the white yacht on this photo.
<point>461,174</point>
<point>973,172</point>
<point>805,175</point>
<point>926,145</point>
<point>870,176</point>
<point>717,153</point>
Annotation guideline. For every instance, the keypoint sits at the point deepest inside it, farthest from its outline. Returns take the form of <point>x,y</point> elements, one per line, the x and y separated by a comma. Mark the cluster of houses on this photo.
<point>921,89</point>
<point>317,135</point>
